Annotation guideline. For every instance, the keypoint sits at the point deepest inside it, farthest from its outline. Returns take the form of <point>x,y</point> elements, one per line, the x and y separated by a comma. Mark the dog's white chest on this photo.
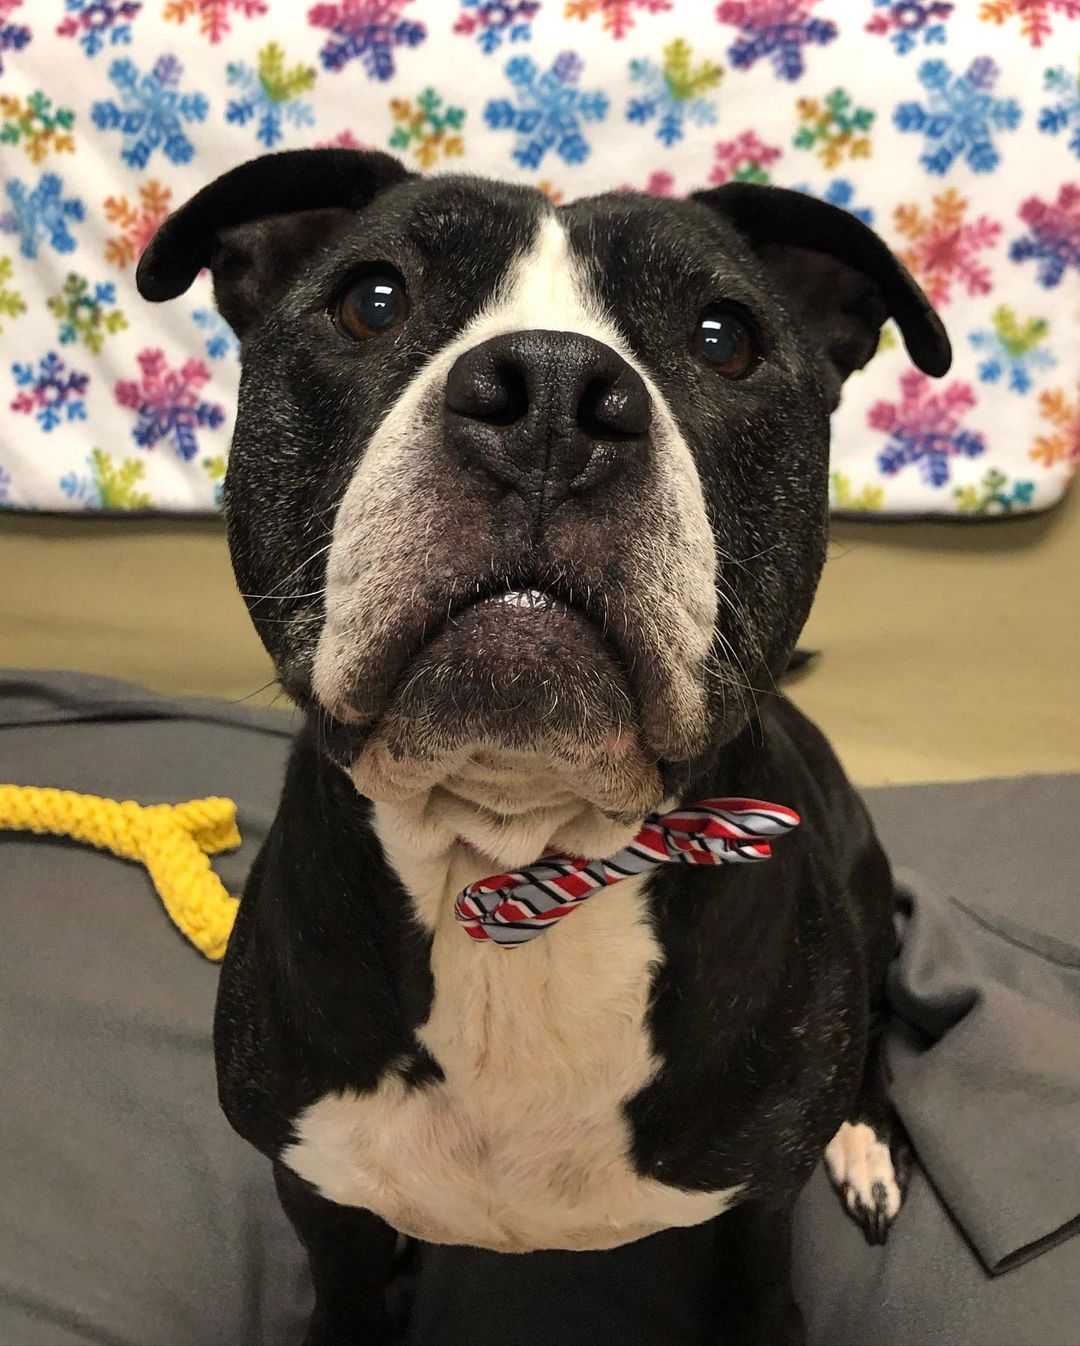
<point>524,1144</point>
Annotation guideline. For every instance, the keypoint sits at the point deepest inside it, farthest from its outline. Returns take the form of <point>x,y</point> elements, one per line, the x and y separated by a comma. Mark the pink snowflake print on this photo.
<point>167,403</point>
<point>368,31</point>
<point>13,36</point>
<point>926,427</point>
<point>616,16</point>
<point>777,30</point>
<point>945,246</point>
<point>1036,16</point>
<point>213,15</point>
<point>659,183</point>
<point>745,159</point>
<point>1053,237</point>
<point>344,140</point>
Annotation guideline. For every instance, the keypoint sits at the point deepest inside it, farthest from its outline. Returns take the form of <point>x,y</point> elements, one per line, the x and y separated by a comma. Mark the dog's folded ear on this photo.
<point>255,224</point>
<point>835,275</point>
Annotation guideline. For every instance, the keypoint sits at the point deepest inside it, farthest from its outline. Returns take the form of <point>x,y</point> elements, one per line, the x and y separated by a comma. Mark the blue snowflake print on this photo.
<point>151,112</point>
<point>40,213</point>
<point>673,94</point>
<point>550,110</point>
<point>961,116</point>
<point>1012,349</point>
<point>50,392</point>
<point>270,95</point>
<point>774,29</point>
<point>368,31</point>
<point>840,192</point>
<point>907,23</point>
<point>13,36</point>
<point>77,489</point>
<point>99,23</point>
<point>493,22</point>
<point>1064,114</point>
<point>221,340</point>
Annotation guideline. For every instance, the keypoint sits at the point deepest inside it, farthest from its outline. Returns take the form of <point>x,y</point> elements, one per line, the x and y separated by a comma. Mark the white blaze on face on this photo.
<point>393,516</point>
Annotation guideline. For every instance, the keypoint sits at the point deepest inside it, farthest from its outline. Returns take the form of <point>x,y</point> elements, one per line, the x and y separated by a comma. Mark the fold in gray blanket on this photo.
<point>984,1048</point>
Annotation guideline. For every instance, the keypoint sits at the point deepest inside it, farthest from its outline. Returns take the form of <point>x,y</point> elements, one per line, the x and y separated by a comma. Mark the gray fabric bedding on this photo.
<point>131,1214</point>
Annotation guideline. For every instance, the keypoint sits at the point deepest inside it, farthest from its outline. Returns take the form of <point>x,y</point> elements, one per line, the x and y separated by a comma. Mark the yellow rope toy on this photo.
<point>171,840</point>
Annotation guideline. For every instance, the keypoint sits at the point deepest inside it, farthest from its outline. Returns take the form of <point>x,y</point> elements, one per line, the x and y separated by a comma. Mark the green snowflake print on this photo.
<point>87,314</point>
<point>991,497</point>
<point>36,126</point>
<point>11,300</point>
<point>843,498</point>
<point>834,128</point>
<point>428,127</point>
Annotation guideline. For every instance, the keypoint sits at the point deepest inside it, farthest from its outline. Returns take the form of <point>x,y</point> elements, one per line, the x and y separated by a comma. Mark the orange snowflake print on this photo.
<point>137,221</point>
<point>1060,445</point>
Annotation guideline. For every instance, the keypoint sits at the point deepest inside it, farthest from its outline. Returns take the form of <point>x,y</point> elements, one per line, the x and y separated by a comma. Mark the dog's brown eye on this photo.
<point>724,341</point>
<point>371,306</point>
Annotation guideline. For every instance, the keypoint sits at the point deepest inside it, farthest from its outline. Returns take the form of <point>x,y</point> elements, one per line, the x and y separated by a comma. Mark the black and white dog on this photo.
<point>528,504</point>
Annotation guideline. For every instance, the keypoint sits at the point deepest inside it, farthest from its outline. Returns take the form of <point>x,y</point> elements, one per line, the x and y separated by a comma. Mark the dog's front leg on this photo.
<point>755,1303</point>
<point>352,1254</point>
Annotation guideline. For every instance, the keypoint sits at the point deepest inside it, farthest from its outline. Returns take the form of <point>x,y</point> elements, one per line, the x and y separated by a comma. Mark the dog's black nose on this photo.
<point>549,414</point>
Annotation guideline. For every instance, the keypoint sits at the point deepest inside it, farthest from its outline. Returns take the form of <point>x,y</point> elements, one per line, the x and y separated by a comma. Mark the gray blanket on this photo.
<point>132,1215</point>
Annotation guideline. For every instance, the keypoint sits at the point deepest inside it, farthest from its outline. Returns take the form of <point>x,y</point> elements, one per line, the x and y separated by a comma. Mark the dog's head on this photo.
<point>533,479</point>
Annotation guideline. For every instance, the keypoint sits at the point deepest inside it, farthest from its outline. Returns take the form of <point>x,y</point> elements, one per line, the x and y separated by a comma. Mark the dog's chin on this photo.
<point>522,674</point>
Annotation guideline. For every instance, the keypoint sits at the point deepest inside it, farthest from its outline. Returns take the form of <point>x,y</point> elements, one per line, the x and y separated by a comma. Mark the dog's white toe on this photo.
<point>861,1168</point>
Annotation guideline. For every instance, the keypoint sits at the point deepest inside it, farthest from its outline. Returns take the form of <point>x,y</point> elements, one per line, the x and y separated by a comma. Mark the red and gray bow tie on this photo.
<point>512,908</point>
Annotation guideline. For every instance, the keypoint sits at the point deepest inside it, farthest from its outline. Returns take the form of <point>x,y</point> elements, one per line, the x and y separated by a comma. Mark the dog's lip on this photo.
<point>556,597</point>
<point>544,596</point>
<point>522,592</point>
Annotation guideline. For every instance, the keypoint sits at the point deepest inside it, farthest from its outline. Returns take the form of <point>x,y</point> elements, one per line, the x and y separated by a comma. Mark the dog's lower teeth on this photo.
<point>526,598</point>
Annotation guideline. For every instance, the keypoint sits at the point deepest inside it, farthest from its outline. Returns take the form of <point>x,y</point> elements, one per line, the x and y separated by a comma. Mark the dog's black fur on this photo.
<point>763,1013</point>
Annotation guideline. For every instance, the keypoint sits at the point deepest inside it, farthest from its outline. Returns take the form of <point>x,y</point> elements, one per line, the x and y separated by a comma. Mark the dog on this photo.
<point>528,504</point>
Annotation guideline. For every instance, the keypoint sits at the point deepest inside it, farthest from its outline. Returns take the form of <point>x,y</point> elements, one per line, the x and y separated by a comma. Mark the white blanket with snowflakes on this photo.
<point>953,128</point>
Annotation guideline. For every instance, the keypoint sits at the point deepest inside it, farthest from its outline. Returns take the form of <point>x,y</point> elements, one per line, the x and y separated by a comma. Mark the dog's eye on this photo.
<point>371,306</point>
<point>724,341</point>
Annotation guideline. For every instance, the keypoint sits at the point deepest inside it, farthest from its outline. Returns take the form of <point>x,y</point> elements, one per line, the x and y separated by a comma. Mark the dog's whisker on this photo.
<point>286,598</point>
<point>275,592</point>
<point>274,682</point>
<point>745,560</point>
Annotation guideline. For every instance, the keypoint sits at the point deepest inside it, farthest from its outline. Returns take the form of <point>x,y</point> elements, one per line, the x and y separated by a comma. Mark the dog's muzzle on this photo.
<point>535,508</point>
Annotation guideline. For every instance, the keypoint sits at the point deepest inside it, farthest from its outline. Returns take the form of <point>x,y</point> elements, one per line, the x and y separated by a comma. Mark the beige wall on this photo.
<point>948,650</point>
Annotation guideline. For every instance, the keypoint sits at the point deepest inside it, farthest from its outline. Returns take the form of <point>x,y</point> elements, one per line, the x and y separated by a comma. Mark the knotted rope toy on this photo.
<point>173,841</point>
<point>512,908</point>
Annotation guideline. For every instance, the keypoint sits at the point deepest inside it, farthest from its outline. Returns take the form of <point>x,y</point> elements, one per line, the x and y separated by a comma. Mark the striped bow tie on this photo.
<point>512,908</point>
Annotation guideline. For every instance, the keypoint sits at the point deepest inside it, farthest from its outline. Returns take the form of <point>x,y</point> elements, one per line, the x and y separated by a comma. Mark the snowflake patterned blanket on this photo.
<point>953,128</point>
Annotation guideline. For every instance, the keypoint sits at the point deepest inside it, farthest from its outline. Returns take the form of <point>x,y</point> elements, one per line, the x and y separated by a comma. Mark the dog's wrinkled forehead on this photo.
<point>628,269</point>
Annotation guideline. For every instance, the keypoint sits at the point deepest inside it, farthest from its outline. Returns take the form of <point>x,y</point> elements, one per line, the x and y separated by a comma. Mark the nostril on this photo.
<point>617,408</point>
<point>515,394</point>
<point>493,391</point>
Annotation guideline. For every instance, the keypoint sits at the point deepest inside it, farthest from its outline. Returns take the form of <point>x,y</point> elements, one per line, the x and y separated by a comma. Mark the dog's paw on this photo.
<point>867,1178</point>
